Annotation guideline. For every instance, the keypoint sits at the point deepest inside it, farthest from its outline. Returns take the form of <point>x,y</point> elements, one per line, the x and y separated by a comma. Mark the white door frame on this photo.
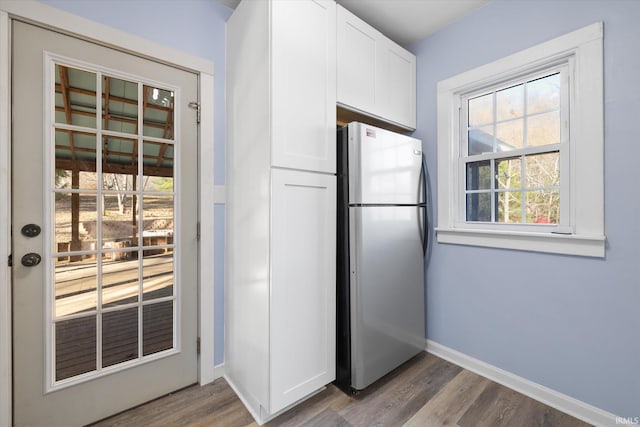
<point>52,18</point>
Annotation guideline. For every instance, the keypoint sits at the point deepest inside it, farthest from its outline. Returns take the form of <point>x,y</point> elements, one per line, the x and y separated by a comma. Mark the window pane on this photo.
<point>481,140</point>
<point>75,287</point>
<point>119,336</point>
<point>158,167</point>
<point>120,221</point>
<point>481,110</point>
<point>510,103</point>
<point>75,151</point>
<point>509,135</point>
<point>120,105</point>
<point>75,222</point>
<point>120,278</point>
<point>543,207</point>
<point>479,207</point>
<point>508,173</point>
<point>157,273</point>
<point>509,209</point>
<point>75,97</point>
<point>543,170</point>
<point>158,220</point>
<point>75,343</point>
<point>158,112</point>
<point>543,129</point>
<point>157,327</point>
<point>543,94</point>
<point>119,163</point>
<point>479,175</point>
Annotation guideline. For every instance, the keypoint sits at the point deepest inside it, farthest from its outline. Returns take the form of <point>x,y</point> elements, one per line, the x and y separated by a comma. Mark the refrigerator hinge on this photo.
<point>196,106</point>
<point>10,260</point>
<point>198,231</point>
<point>198,346</point>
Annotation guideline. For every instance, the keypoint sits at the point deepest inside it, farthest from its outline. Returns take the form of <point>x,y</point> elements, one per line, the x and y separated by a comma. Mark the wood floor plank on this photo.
<point>494,407</point>
<point>327,417</point>
<point>426,391</point>
<point>446,407</point>
<point>395,399</point>
<point>330,398</point>
<point>535,414</point>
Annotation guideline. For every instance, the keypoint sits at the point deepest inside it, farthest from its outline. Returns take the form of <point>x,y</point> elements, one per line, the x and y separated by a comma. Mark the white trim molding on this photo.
<point>552,398</point>
<point>205,217</point>
<point>583,234</point>
<point>5,221</point>
<point>220,194</point>
<point>218,371</point>
<point>49,17</point>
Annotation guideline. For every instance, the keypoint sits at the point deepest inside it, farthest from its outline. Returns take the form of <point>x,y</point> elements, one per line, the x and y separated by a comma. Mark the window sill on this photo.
<point>572,244</point>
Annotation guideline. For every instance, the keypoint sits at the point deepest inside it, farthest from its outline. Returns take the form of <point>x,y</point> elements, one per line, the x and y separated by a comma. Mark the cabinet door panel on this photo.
<point>396,84</point>
<point>357,46</point>
<point>303,285</point>
<point>304,84</point>
<point>376,76</point>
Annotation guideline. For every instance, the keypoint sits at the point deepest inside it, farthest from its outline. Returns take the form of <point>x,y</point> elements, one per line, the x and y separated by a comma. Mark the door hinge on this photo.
<point>196,106</point>
<point>198,231</point>
<point>10,261</point>
<point>198,345</point>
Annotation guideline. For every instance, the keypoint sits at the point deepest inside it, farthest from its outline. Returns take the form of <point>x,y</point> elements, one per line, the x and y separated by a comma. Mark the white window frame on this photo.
<point>581,231</point>
<point>562,147</point>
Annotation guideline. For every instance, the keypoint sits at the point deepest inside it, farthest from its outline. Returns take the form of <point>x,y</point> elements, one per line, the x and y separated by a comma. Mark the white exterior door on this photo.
<point>105,164</point>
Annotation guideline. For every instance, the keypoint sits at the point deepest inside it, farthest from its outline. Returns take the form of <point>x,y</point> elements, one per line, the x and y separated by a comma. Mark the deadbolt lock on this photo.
<point>31,230</point>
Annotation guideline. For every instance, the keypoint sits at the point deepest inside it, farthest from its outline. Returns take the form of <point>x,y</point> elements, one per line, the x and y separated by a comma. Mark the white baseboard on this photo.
<point>219,194</point>
<point>218,371</point>
<point>557,400</point>
<point>256,416</point>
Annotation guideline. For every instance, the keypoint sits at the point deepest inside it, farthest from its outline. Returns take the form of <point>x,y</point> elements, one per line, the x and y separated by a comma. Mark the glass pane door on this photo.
<point>113,301</point>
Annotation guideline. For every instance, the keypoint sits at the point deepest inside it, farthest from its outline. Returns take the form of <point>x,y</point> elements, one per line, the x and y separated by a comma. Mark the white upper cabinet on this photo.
<point>375,75</point>
<point>357,47</point>
<point>396,84</point>
<point>303,91</point>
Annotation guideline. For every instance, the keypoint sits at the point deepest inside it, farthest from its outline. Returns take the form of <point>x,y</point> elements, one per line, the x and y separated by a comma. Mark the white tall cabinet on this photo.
<point>281,196</point>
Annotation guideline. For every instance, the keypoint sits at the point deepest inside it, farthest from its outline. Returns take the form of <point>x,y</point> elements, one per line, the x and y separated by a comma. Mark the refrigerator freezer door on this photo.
<point>384,167</point>
<point>387,290</point>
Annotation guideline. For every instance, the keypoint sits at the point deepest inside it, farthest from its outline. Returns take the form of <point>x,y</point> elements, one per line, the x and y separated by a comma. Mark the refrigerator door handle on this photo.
<point>424,230</point>
<point>421,216</point>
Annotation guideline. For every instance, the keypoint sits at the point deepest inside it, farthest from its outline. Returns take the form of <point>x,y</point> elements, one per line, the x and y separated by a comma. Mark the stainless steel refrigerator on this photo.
<point>382,241</point>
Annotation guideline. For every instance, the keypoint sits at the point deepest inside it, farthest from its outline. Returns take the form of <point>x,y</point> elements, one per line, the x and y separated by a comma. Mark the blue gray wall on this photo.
<point>568,323</point>
<point>196,27</point>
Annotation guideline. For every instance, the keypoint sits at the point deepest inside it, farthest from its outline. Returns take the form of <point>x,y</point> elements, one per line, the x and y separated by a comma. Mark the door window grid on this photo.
<point>147,308</point>
<point>502,171</point>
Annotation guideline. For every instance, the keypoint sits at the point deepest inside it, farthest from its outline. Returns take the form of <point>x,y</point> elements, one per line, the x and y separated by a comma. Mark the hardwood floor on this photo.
<point>426,391</point>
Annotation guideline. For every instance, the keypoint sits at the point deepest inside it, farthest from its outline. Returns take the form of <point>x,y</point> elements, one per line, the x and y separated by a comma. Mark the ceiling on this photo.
<point>405,21</point>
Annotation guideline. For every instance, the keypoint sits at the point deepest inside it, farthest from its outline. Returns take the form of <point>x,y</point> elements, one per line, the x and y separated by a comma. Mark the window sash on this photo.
<point>565,224</point>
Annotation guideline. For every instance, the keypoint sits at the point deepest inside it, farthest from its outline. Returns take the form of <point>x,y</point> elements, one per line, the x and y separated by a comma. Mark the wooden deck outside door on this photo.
<point>105,165</point>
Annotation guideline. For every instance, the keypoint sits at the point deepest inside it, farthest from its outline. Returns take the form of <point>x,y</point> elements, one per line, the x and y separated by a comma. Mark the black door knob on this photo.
<point>31,259</point>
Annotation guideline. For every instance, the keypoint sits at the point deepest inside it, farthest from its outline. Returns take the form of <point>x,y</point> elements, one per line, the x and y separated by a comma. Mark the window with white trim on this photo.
<point>513,142</point>
<point>520,150</point>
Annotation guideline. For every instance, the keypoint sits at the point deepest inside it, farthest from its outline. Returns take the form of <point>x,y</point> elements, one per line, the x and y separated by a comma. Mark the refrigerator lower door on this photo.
<point>387,290</point>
